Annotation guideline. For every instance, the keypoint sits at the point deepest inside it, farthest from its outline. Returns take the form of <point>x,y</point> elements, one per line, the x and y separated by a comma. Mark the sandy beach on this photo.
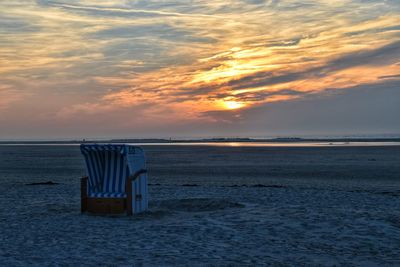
<point>209,206</point>
<point>271,131</point>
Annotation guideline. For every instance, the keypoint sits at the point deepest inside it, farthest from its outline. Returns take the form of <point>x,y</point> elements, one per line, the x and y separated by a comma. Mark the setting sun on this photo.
<point>233,104</point>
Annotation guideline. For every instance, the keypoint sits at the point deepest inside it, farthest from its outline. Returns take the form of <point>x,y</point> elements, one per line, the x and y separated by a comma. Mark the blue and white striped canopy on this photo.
<point>109,165</point>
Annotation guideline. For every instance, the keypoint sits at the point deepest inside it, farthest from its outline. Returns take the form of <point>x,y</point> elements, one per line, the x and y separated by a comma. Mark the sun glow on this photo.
<point>233,104</point>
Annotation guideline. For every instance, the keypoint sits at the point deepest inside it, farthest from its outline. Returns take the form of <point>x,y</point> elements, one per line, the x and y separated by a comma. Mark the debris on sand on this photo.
<point>271,186</point>
<point>43,183</point>
<point>259,185</point>
<point>190,185</point>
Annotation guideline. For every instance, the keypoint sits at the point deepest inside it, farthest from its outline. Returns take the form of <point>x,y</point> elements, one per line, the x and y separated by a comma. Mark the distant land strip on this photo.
<point>203,140</point>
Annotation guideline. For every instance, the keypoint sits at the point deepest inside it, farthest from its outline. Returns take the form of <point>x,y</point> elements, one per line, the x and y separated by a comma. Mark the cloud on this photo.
<point>368,109</point>
<point>9,96</point>
<point>159,31</point>
<point>389,76</point>
<point>126,11</point>
<point>12,25</point>
<point>385,55</point>
<point>375,30</point>
<point>187,64</point>
<point>114,12</point>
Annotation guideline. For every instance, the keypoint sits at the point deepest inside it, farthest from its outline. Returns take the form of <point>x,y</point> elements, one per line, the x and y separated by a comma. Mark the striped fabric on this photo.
<point>95,168</point>
<point>107,195</point>
<point>108,166</point>
<point>115,173</point>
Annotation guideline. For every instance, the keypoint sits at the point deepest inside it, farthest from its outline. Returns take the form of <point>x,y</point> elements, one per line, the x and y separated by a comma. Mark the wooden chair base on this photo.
<point>109,205</point>
<point>105,205</point>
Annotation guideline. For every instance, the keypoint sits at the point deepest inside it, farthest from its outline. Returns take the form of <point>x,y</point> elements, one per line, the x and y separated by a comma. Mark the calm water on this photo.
<point>245,144</point>
<point>371,166</point>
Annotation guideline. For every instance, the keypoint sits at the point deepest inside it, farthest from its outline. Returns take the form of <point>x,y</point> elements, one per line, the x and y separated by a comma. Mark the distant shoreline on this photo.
<point>205,140</point>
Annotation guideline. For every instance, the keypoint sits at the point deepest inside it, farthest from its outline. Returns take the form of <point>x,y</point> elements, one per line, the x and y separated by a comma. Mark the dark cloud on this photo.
<point>364,109</point>
<point>13,25</point>
<point>390,76</point>
<point>161,31</point>
<point>284,43</point>
<point>257,96</point>
<point>376,30</point>
<point>264,95</point>
<point>99,11</point>
<point>255,2</point>
<point>224,116</point>
<point>376,57</point>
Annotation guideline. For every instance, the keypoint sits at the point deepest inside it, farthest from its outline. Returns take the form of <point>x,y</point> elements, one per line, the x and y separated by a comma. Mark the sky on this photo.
<point>199,68</point>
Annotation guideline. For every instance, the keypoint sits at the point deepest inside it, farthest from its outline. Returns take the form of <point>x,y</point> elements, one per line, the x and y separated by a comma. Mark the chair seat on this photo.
<point>107,194</point>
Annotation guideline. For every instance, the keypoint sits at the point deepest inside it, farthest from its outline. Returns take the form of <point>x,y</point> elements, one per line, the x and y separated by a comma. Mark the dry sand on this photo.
<point>298,207</point>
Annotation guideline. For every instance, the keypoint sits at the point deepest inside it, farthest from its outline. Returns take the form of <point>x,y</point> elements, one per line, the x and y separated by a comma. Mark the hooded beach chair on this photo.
<point>116,180</point>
